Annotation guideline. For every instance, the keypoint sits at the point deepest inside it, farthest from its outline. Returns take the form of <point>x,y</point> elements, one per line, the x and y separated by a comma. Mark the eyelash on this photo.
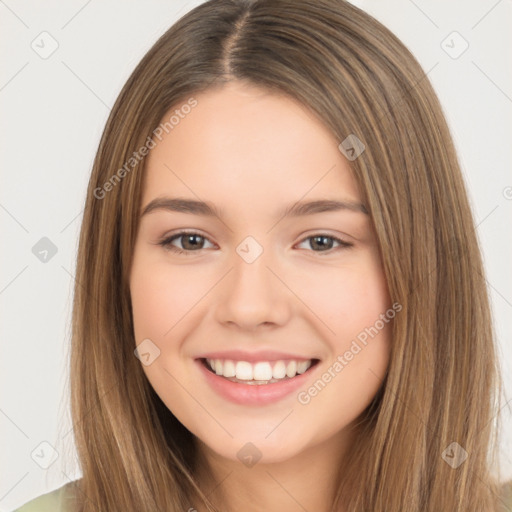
<point>166,243</point>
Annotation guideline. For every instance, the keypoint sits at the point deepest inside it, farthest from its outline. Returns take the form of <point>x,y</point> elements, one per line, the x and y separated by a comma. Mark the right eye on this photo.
<point>191,242</point>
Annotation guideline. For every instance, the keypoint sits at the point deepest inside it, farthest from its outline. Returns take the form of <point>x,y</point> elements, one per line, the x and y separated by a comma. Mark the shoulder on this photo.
<point>59,500</point>
<point>506,496</point>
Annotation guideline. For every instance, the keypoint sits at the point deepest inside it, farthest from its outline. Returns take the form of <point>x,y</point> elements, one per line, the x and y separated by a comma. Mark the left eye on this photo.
<point>192,242</point>
<point>325,242</point>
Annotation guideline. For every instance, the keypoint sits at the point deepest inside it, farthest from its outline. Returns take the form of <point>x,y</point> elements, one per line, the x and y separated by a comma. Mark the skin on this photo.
<point>252,152</point>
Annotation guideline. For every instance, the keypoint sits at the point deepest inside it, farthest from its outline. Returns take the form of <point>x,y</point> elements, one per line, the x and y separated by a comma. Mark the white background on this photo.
<point>53,113</point>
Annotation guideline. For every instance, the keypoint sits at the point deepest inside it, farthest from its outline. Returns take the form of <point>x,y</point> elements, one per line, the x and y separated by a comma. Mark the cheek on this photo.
<point>348,299</point>
<point>359,349</point>
<point>152,304</point>
<point>161,296</point>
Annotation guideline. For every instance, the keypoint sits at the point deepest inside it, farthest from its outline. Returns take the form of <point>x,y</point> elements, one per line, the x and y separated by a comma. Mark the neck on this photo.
<point>307,481</point>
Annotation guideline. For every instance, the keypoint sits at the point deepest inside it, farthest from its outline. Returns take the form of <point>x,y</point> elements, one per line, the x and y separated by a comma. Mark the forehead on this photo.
<point>245,144</point>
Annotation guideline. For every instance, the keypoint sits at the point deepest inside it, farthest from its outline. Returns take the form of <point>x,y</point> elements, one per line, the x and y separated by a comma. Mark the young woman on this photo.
<point>280,301</point>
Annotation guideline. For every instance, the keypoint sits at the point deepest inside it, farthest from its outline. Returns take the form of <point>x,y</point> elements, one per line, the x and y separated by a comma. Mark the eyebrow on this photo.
<point>298,209</point>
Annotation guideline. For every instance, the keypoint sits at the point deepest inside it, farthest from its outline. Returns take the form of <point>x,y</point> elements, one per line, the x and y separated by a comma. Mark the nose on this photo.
<point>254,294</point>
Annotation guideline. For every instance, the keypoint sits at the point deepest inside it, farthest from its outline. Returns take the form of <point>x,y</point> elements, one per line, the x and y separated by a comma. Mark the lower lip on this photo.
<point>253,394</point>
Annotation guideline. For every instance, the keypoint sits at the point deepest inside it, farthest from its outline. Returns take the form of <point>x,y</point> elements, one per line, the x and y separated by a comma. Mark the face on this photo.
<point>258,322</point>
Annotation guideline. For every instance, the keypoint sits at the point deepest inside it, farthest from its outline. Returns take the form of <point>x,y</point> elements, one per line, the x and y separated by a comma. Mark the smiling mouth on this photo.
<point>260,373</point>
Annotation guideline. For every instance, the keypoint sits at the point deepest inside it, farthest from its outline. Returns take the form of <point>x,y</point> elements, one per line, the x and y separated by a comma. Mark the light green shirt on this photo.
<point>61,500</point>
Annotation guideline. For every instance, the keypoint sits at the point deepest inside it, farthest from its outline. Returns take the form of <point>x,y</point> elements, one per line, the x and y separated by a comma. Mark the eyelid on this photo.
<point>166,241</point>
<point>340,240</point>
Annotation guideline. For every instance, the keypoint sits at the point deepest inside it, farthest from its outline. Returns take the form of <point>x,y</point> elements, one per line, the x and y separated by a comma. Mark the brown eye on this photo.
<point>325,243</point>
<point>190,242</point>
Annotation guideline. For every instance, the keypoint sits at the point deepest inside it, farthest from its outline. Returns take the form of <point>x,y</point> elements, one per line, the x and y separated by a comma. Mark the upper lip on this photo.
<point>254,357</point>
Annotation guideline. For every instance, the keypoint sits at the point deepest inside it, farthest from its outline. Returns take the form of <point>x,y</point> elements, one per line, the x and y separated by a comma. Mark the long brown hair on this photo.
<point>443,379</point>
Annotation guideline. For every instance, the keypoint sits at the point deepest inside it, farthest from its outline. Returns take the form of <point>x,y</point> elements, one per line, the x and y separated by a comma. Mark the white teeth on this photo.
<point>229,368</point>
<point>244,370</point>
<point>279,371</point>
<point>302,366</point>
<point>291,369</point>
<point>263,371</point>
